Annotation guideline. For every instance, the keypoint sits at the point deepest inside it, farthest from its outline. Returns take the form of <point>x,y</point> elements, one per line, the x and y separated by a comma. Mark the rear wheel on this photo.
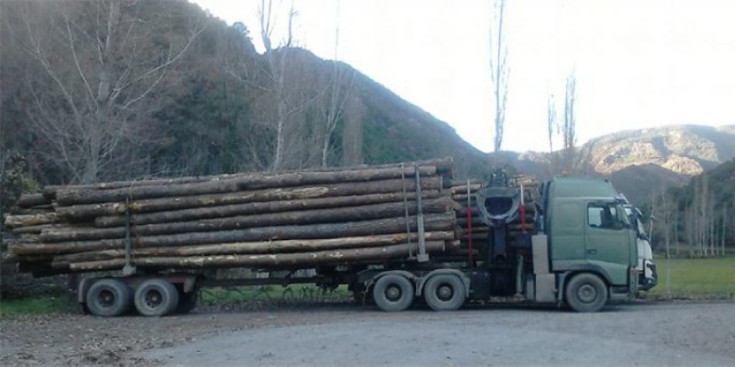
<point>156,297</point>
<point>444,292</point>
<point>108,297</point>
<point>586,292</point>
<point>393,293</point>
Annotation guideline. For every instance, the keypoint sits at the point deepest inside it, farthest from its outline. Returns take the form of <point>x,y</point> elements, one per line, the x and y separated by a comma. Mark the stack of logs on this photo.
<point>288,220</point>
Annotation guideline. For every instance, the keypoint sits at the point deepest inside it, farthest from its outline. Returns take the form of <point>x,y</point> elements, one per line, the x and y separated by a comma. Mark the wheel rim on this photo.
<point>393,293</point>
<point>587,293</point>
<point>106,298</point>
<point>153,298</point>
<point>445,292</point>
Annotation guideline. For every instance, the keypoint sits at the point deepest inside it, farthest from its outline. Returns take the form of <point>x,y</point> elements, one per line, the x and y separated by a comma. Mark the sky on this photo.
<point>637,63</point>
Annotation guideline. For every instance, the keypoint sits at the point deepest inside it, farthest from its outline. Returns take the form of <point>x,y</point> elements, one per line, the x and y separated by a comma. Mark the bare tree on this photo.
<point>551,124</point>
<point>352,136</point>
<point>277,71</point>
<point>499,70</point>
<point>552,127</point>
<point>340,87</point>
<point>93,68</point>
<point>724,230</point>
<point>569,128</point>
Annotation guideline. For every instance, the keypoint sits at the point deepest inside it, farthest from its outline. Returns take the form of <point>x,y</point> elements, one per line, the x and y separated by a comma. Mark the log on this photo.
<point>462,222</point>
<point>443,166</point>
<point>462,188</point>
<point>432,222</point>
<point>479,236</point>
<point>66,196</point>
<point>462,212</point>
<point>39,209</point>
<point>258,207</point>
<point>31,200</point>
<point>462,198</point>
<point>287,260</point>
<point>301,217</point>
<point>37,229</point>
<point>51,190</point>
<point>279,194</point>
<point>25,220</point>
<point>261,247</point>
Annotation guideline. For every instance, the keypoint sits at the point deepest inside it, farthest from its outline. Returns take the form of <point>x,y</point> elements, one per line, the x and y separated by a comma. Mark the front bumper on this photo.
<point>649,278</point>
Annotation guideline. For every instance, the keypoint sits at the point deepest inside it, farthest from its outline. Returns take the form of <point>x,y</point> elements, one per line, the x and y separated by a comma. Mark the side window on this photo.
<point>603,215</point>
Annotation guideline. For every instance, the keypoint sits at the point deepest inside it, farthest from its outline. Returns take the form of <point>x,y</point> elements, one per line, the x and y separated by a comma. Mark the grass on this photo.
<point>35,305</point>
<point>695,278</point>
<point>293,294</point>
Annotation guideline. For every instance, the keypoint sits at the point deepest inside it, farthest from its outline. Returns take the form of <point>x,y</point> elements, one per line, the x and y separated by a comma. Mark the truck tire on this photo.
<point>108,298</point>
<point>393,293</point>
<point>156,297</point>
<point>444,292</point>
<point>586,292</point>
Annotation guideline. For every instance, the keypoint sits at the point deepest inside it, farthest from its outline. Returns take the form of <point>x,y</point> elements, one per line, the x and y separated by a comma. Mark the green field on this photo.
<point>40,304</point>
<point>269,295</point>
<point>695,278</point>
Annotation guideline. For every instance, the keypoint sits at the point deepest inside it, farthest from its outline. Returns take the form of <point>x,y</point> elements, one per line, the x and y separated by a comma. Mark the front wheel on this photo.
<point>444,292</point>
<point>586,292</point>
<point>393,293</point>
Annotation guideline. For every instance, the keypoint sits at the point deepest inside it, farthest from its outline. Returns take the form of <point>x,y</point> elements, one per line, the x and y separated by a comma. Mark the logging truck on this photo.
<point>394,234</point>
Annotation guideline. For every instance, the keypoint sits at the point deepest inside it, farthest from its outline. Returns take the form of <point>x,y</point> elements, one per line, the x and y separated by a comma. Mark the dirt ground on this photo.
<point>639,333</point>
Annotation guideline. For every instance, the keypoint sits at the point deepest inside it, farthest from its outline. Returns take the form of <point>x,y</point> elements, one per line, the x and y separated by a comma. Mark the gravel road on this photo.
<point>639,333</point>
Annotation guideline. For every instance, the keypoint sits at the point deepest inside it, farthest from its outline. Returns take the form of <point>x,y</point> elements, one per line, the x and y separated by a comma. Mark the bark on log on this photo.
<point>259,207</point>
<point>51,190</point>
<point>65,197</point>
<point>476,222</point>
<point>39,209</point>
<point>479,236</point>
<point>286,260</point>
<point>31,200</point>
<point>462,189</point>
<point>462,212</point>
<point>279,194</point>
<point>37,229</point>
<point>262,247</point>
<point>462,198</point>
<point>301,217</point>
<point>432,222</point>
<point>25,220</point>
<point>443,166</point>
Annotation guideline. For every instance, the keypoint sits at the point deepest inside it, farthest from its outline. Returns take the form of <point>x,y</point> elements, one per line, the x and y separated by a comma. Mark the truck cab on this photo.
<point>591,244</point>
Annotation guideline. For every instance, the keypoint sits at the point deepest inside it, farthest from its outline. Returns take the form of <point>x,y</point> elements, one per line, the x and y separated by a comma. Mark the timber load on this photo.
<point>282,220</point>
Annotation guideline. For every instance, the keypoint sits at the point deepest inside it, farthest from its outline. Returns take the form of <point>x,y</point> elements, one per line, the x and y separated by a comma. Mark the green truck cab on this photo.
<point>592,246</point>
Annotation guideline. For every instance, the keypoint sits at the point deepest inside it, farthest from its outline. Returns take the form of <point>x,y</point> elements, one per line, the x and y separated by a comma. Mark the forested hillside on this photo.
<point>698,218</point>
<point>109,90</point>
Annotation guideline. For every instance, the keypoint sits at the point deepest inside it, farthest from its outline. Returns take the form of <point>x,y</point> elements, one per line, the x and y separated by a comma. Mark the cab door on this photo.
<point>608,239</point>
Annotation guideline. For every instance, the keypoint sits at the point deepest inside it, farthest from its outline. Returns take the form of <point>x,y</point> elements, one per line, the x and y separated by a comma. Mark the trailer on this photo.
<point>393,234</point>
